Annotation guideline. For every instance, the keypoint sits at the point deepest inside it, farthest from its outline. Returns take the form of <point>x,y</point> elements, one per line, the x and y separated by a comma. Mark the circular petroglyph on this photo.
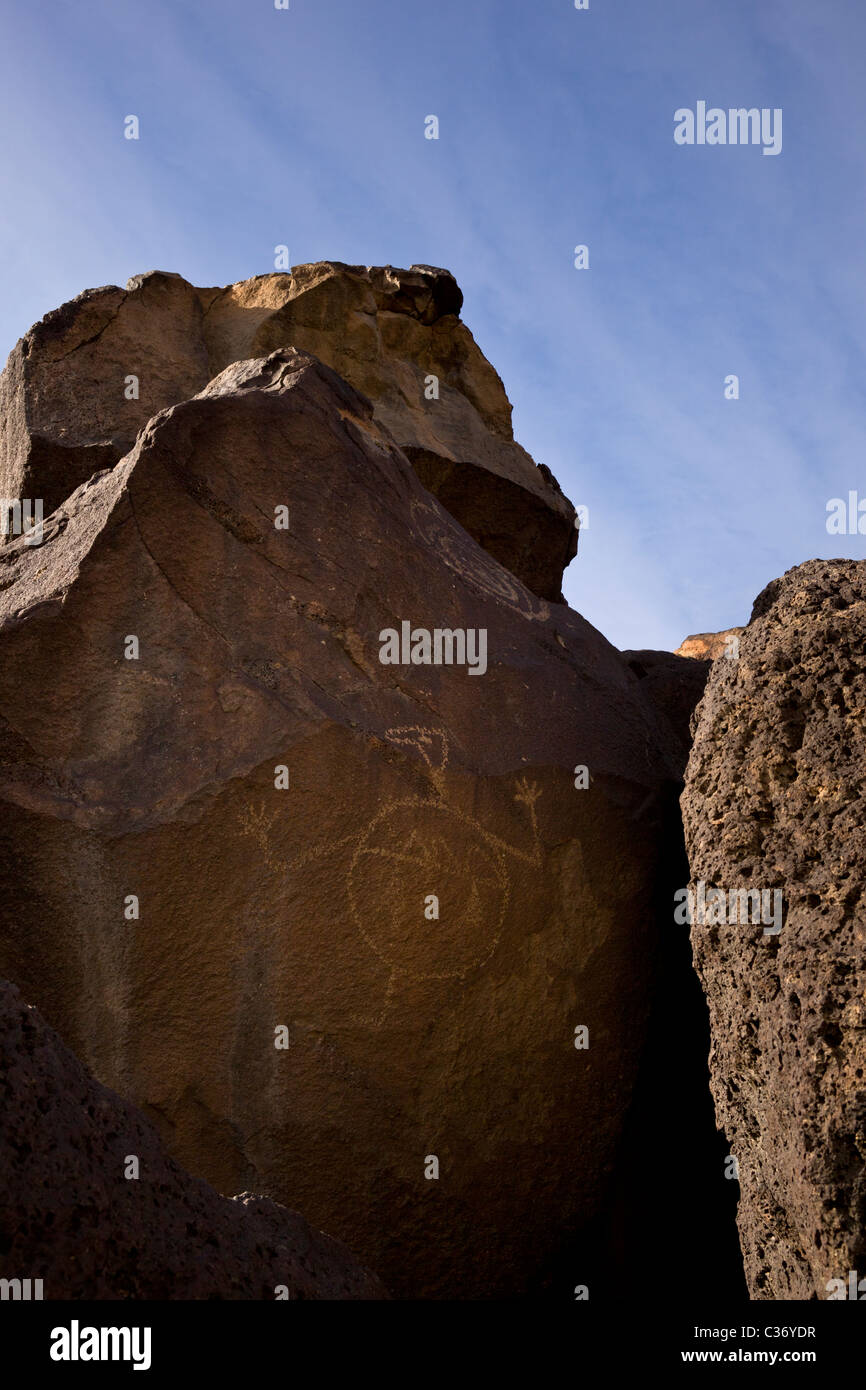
<point>474,565</point>
<point>414,848</point>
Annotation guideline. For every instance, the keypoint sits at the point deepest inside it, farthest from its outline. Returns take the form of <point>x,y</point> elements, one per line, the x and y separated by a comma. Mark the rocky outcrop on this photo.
<point>708,646</point>
<point>774,802</point>
<point>91,1204</point>
<point>673,685</point>
<point>82,383</point>
<point>336,925</point>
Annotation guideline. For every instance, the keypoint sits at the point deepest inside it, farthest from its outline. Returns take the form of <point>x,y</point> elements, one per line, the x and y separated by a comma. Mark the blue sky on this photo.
<point>306,127</point>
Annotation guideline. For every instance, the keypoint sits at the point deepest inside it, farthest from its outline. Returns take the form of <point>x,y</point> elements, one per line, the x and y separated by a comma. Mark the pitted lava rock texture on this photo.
<point>775,798</point>
<point>81,384</point>
<point>72,1214</point>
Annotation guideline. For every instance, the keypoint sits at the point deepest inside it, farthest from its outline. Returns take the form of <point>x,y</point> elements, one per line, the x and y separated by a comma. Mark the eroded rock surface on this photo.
<point>708,646</point>
<point>81,384</point>
<point>429,909</point>
<point>775,799</point>
<point>73,1215</point>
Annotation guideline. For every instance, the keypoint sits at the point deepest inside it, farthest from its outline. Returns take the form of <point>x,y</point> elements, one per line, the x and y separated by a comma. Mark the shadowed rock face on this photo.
<point>674,685</point>
<point>414,1032</point>
<point>774,799</point>
<point>69,405</point>
<point>70,1215</point>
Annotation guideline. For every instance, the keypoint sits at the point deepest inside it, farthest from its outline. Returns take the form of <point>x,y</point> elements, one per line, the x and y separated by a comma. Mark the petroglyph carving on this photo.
<point>474,565</point>
<point>390,870</point>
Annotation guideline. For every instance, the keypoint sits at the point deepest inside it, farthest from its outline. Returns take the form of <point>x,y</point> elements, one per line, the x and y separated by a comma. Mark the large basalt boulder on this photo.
<point>81,384</point>
<point>430,908</point>
<point>91,1204</point>
<point>67,405</point>
<point>775,800</point>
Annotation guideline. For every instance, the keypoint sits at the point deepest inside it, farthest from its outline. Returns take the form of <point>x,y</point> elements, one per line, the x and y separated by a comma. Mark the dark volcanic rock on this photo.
<point>673,685</point>
<point>70,1216</point>
<point>412,1035</point>
<point>775,798</point>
